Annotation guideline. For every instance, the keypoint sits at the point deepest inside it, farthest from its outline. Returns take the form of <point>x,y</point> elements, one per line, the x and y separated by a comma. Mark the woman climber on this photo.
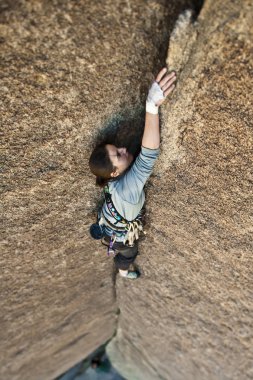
<point>123,180</point>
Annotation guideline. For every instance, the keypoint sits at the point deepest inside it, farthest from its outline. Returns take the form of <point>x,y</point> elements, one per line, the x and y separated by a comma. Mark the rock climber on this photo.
<point>123,179</point>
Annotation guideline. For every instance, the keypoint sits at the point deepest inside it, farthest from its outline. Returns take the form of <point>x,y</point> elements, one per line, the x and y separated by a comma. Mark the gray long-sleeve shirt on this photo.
<point>127,191</point>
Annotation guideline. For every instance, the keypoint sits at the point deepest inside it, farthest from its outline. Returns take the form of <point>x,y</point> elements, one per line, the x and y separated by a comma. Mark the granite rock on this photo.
<point>68,70</point>
<point>190,314</point>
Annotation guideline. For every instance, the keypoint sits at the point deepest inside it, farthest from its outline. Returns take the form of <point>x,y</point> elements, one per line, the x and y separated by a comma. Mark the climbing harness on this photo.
<point>132,228</point>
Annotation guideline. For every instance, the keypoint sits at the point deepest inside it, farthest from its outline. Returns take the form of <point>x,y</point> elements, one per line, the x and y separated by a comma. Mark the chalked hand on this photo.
<point>160,89</point>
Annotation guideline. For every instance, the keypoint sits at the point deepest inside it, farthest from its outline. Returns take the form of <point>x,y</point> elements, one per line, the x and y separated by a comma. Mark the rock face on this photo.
<point>190,315</point>
<point>66,68</point>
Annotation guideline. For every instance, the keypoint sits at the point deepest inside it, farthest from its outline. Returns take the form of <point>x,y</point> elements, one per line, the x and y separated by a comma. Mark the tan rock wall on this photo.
<point>66,67</point>
<point>190,315</point>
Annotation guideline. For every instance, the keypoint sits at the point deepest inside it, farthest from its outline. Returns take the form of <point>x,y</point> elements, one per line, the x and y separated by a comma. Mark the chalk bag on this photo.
<point>96,231</point>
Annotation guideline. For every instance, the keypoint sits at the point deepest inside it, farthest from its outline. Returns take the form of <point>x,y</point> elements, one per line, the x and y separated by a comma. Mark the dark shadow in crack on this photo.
<point>124,129</point>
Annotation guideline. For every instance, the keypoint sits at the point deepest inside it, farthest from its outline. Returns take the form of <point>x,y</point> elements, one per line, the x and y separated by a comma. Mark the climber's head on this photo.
<point>108,161</point>
<point>120,158</point>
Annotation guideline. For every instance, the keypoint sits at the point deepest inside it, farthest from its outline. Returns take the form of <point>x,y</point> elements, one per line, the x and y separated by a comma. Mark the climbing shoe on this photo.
<point>133,275</point>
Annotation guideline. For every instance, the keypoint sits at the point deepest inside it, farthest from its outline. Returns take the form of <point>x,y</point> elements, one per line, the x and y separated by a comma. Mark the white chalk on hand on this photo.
<point>154,95</point>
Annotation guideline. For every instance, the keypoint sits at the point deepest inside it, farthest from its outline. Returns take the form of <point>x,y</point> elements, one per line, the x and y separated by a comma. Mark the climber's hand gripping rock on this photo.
<point>160,89</point>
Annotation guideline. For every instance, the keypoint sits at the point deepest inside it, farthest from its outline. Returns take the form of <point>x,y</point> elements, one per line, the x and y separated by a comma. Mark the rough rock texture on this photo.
<point>190,315</point>
<point>66,68</point>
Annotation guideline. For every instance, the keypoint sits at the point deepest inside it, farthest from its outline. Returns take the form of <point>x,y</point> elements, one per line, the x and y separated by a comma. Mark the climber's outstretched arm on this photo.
<point>160,89</point>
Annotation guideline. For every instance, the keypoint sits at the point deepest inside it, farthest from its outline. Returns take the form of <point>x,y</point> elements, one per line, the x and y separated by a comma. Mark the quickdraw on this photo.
<point>133,230</point>
<point>110,250</point>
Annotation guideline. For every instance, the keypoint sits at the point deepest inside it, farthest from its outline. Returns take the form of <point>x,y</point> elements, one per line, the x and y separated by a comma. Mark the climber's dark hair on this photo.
<point>101,165</point>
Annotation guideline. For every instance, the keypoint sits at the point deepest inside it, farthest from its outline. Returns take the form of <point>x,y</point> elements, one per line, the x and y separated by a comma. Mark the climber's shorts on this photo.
<point>125,255</point>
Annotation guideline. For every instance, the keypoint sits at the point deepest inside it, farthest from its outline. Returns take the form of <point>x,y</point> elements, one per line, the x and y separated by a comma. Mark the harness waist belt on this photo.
<point>112,226</point>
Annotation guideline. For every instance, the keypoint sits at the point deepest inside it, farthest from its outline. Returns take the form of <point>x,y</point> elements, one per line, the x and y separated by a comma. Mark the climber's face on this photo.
<point>121,159</point>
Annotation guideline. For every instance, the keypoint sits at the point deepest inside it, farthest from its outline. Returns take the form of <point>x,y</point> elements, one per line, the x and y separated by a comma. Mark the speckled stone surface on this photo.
<point>190,315</point>
<point>67,67</point>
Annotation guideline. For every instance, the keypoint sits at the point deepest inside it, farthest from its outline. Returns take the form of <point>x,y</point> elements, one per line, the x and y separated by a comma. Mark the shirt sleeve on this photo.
<point>131,185</point>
